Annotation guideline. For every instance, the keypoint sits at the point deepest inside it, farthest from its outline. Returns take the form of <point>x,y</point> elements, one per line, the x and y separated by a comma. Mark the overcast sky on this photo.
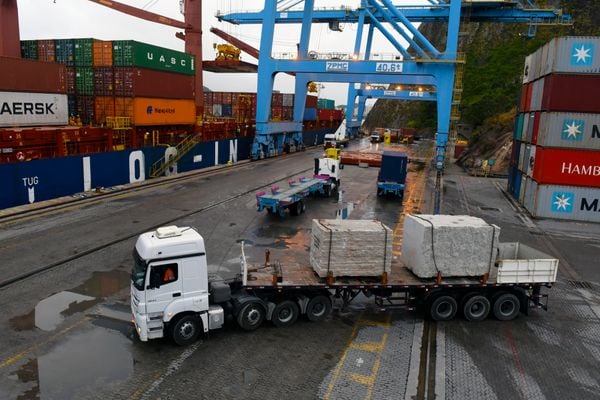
<point>53,19</point>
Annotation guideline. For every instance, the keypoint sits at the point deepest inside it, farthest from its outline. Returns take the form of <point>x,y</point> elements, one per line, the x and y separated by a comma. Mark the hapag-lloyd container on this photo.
<point>573,93</point>
<point>149,111</point>
<point>33,109</point>
<point>569,130</point>
<point>129,53</point>
<point>565,202</point>
<point>571,55</point>
<point>16,75</point>
<point>567,167</point>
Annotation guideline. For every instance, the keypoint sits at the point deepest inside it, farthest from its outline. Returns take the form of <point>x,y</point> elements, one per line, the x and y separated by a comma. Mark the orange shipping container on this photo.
<point>150,111</point>
<point>104,106</point>
<point>103,53</point>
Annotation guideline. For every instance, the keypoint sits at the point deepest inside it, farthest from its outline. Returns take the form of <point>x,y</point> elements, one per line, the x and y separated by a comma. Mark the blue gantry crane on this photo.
<point>417,61</point>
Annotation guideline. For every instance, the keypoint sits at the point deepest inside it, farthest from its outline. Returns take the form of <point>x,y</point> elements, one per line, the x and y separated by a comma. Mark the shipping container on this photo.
<point>326,103</point>
<point>124,107</point>
<point>522,188</point>
<point>523,137</point>
<point>141,82</point>
<point>70,80</point>
<point>530,124</point>
<point>517,184</point>
<point>149,111</point>
<point>523,147</point>
<point>522,100</point>
<point>459,150</point>
<point>310,114</point>
<point>85,109</point>
<point>311,101</point>
<point>569,130</point>
<point>83,50</point>
<point>530,193</point>
<point>325,114</point>
<point>129,53</point>
<point>529,95</point>
<point>527,70</point>
<point>104,106</point>
<point>536,127</point>
<point>16,75</point>
<point>72,101</point>
<point>566,202</point>
<point>227,110</point>
<point>46,50</point>
<point>65,51</point>
<point>276,99</point>
<point>537,94</point>
<point>573,93</point>
<point>84,81</point>
<point>29,49</point>
<point>567,167</point>
<point>33,109</point>
<point>571,55</point>
<point>530,161</point>
<point>524,164</point>
<point>102,56</point>
<point>104,81</point>
<point>519,126</point>
<point>287,100</point>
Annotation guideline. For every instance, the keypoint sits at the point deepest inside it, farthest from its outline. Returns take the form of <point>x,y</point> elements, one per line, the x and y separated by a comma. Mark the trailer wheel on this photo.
<point>506,306</point>
<point>186,330</point>
<point>476,308</point>
<point>285,313</point>
<point>295,209</point>
<point>302,207</point>
<point>443,308</point>
<point>318,308</point>
<point>251,316</point>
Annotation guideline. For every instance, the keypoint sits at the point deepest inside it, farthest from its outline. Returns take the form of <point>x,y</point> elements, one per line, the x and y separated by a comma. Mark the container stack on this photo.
<point>148,84</point>
<point>555,164</point>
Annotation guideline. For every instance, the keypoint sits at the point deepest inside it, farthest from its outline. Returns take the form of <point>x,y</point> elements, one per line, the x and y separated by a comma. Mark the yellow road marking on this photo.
<point>25,352</point>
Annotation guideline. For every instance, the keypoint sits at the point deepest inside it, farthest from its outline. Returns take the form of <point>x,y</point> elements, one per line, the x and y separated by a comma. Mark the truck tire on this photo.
<point>476,308</point>
<point>285,313</point>
<point>443,308</point>
<point>251,316</point>
<point>295,209</point>
<point>318,308</point>
<point>186,330</point>
<point>506,306</point>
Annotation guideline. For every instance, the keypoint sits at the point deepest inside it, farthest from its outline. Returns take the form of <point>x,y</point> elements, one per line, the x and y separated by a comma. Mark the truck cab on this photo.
<point>169,286</point>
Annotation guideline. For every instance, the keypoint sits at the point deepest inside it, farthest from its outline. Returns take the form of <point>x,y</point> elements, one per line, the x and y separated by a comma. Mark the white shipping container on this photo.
<point>567,202</point>
<point>530,162</point>
<point>530,124</point>
<point>522,156</point>
<point>33,109</point>
<point>527,72</point>
<point>537,94</point>
<point>287,100</point>
<point>526,121</point>
<point>518,263</point>
<point>530,193</point>
<point>573,55</point>
<point>522,189</point>
<point>569,130</point>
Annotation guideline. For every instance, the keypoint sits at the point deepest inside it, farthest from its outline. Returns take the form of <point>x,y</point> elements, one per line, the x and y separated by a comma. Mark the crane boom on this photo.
<point>236,42</point>
<point>142,14</point>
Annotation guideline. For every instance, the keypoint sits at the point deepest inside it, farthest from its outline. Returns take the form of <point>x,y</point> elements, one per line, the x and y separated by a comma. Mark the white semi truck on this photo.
<point>172,293</point>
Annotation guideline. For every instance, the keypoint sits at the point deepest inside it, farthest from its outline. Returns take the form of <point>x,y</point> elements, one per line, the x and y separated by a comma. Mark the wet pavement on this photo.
<point>67,332</point>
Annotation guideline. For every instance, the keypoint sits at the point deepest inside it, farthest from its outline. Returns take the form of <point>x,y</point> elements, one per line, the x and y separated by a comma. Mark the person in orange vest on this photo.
<point>169,275</point>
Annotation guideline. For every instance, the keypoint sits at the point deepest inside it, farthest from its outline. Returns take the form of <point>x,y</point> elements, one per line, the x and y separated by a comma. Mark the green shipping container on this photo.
<point>29,49</point>
<point>129,53</point>
<point>326,103</point>
<point>84,52</point>
<point>84,81</point>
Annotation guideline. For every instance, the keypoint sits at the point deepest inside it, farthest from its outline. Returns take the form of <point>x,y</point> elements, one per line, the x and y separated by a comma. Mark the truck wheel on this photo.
<point>318,308</point>
<point>251,316</point>
<point>476,308</point>
<point>294,209</point>
<point>506,306</point>
<point>302,207</point>
<point>443,308</point>
<point>186,330</point>
<point>285,313</point>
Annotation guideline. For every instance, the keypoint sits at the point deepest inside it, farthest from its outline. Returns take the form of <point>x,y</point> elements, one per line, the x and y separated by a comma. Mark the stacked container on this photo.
<point>148,84</point>
<point>555,164</point>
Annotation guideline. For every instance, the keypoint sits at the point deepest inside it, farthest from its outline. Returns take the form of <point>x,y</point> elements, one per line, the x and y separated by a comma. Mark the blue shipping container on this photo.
<point>65,51</point>
<point>393,167</point>
<point>310,114</point>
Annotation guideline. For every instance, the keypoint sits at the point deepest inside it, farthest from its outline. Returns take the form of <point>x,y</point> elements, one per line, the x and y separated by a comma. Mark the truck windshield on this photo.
<point>138,272</point>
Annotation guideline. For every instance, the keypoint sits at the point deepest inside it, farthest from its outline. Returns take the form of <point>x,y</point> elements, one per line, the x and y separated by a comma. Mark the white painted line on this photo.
<point>440,363</point>
<point>412,382</point>
<point>171,369</point>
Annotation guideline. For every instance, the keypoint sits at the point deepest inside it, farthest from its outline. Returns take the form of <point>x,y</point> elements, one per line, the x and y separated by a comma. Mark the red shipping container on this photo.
<point>277,99</point>
<point>528,97</point>
<point>311,101</point>
<point>325,114</point>
<point>46,50</point>
<point>103,81</point>
<point>23,75</point>
<point>523,98</point>
<point>276,113</point>
<point>140,82</point>
<point>567,167</point>
<point>577,93</point>
<point>338,115</point>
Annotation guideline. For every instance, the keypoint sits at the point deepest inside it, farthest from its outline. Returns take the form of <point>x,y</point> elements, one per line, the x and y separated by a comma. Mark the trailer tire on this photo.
<point>476,308</point>
<point>251,316</point>
<point>506,306</point>
<point>443,308</point>
<point>318,308</point>
<point>186,330</point>
<point>285,313</point>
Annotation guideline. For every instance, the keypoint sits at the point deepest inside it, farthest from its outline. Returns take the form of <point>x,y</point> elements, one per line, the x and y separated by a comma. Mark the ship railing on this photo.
<point>182,148</point>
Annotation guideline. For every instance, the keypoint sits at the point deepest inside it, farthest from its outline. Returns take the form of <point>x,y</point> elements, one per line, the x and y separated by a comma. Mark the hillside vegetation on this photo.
<point>495,55</point>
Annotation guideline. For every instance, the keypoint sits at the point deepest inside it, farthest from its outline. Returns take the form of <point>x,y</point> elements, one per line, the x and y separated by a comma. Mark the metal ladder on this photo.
<point>183,147</point>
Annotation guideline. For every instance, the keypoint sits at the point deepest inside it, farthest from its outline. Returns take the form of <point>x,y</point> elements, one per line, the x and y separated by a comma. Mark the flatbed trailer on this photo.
<point>395,188</point>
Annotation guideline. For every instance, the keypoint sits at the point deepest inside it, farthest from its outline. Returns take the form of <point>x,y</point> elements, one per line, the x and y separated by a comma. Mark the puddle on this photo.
<point>78,366</point>
<point>271,231</point>
<point>345,212</point>
<point>51,311</point>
